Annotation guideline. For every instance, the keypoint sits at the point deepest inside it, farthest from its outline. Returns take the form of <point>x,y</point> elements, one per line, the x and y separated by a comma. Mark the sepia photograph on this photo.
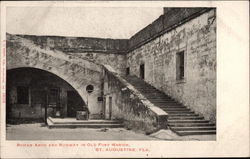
<point>161,81</point>
<point>111,77</point>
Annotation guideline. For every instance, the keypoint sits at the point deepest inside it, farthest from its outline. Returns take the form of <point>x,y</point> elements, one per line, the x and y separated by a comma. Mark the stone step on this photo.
<point>157,98</point>
<point>159,94</point>
<point>171,106</point>
<point>194,128</point>
<point>165,105</point>
<point>152,94</point>
<point>88,122</point>
<point>187,121</point>
<point>181,119</point>
<point>190,124</point>
<point>179,112</point>
<point>175,109</point>
<point>196,132</point>
<point>162,100</point>
<point>85,125</point>
<point>185,117</point>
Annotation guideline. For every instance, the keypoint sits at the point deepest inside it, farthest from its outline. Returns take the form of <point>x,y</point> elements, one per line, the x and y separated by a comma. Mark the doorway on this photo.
<point>74,103</point>
<point>54,98</point>
<point>110,107</point>
<point>54,102</point>
<point>142,71</point>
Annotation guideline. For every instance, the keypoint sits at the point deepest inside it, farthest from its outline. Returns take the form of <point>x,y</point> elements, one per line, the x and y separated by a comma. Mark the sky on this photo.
<point>114,23</point>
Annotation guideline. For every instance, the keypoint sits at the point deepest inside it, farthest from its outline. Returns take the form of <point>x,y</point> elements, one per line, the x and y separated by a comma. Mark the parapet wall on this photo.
<point>80,44</point>
<point>171,18</point>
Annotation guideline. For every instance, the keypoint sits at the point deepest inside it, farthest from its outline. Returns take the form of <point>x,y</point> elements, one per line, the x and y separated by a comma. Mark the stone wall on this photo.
<point>122,101</point>
<point>171,18</point>
<point>197,38</point>
<point>117,61</point>
<point>97,50</point>
<point>78,60</point>
<point>80,44</point>
<point>77,72</point>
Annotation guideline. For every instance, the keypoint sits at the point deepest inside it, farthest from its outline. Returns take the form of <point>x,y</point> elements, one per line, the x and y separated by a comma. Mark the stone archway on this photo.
<point>34,93</point>
<point>77,72</point>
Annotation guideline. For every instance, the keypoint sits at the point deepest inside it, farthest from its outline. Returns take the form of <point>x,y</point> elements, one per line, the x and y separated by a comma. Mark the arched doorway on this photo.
<point>32,91</point>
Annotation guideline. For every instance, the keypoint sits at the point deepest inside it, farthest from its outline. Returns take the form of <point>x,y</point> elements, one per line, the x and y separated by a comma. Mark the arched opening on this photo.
<point>30,91</point>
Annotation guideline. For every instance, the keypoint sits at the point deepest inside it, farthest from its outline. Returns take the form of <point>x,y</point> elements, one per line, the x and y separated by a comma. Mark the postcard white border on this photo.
<point>232,89</point>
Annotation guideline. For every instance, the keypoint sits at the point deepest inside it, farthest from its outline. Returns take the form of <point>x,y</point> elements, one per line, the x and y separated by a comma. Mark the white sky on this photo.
<point>82,22</point>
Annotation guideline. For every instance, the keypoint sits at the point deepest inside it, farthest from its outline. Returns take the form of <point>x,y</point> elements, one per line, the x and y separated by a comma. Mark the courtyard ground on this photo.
<point>38,131</point>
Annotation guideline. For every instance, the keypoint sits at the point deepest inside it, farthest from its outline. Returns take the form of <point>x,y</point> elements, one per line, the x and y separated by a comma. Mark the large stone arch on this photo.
<point>77,72</point>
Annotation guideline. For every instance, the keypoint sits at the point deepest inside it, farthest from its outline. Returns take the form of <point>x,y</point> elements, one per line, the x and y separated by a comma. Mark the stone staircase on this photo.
<point>181,119</point>
<point>73,123</point>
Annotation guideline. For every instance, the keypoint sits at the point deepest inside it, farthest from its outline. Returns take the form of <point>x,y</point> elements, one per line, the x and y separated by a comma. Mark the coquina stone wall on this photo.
<point>99,50</point>
<point>117,61</point>
<point>197,38</point>
<point>77,72</point>
<point>122,101</point>
<point>79,60</point>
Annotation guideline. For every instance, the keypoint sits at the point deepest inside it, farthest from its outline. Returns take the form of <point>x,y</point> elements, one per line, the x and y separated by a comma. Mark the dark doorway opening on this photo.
<point>74,103</point>
<point>54,101</point>
<point>35,94</point>
<point>142,71</point>
<point>54,98</point>
<point>127,71</point>
<point>22,95</point>
<point>110,107</point>
<point>180,64</point>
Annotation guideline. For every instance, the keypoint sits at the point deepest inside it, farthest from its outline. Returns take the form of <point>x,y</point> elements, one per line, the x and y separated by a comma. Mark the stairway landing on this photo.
<point>73,123</point>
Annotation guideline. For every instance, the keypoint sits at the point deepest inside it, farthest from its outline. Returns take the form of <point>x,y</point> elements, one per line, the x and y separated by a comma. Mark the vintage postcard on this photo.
<point>126,79</point>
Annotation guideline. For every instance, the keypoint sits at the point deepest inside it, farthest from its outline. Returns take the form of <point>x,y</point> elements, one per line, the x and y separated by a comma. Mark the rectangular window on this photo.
<point>22,95</point>
<point>127,71</point>
<point>180,65</point>
<point>142,71</point>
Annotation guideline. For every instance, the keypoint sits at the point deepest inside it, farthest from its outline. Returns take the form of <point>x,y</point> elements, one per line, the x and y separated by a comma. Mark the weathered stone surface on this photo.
<point>77,72</point>
<point>80,44</point>
<point>130,105</point>
<point>197,38</point>
<point>79,62</point>
<point>171,18</point>
<point>118,62</point>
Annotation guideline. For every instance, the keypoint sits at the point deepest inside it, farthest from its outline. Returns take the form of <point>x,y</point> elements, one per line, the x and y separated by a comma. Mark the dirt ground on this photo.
<point>38,131</point>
